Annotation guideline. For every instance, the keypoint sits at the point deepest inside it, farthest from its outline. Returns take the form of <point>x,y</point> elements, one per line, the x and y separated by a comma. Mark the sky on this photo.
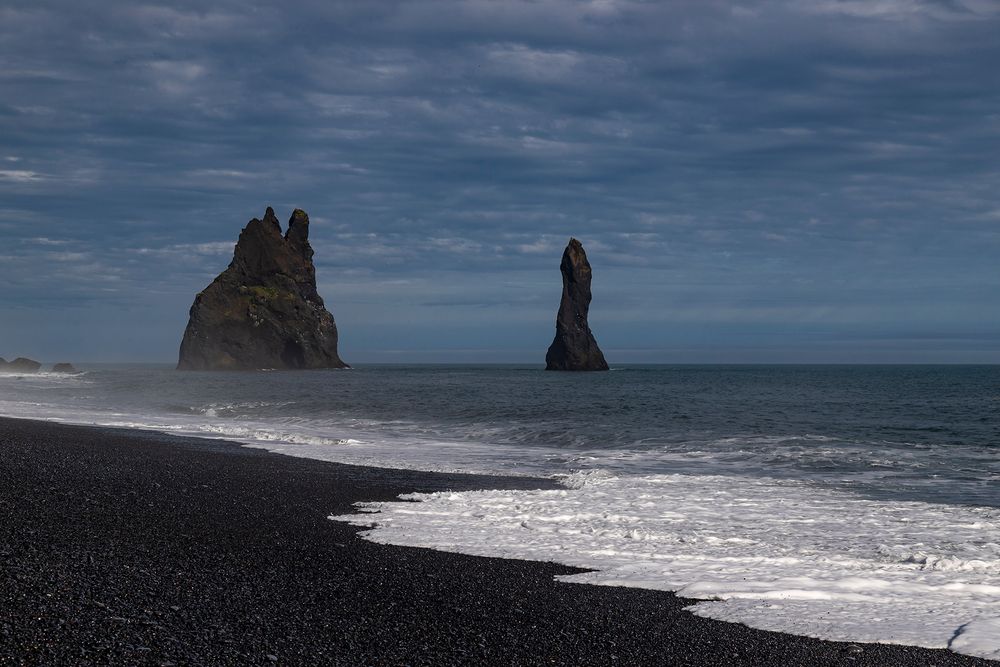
<point>772,181</point>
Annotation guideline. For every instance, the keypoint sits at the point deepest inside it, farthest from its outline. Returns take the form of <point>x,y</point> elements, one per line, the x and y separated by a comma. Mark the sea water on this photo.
<point>857,503</point>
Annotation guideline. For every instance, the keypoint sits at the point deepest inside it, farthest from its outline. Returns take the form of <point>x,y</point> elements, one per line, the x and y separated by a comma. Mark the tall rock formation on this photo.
<point>263,311</point>
<point>574,347</point>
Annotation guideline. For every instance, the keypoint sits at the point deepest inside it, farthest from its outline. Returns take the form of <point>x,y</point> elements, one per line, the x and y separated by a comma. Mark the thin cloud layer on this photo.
<point>755,181</point>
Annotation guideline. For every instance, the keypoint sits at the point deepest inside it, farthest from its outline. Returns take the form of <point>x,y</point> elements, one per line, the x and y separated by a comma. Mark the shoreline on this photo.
<point>135,547</point>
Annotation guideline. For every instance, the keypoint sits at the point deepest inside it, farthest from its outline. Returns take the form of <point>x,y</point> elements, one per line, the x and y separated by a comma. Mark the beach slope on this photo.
<point>122,547</point>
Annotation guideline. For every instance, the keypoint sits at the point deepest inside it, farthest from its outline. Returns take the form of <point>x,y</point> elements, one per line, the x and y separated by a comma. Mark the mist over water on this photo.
<point>858,503</point>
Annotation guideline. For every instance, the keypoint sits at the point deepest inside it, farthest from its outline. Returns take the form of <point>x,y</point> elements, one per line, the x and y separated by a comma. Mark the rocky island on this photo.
<point>19,365</point>
<point>574,347</point>
<point>263,311</point>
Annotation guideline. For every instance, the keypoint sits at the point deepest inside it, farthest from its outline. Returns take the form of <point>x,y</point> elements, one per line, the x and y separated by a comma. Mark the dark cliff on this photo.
<point>574,347</point>
<point>263,311</point>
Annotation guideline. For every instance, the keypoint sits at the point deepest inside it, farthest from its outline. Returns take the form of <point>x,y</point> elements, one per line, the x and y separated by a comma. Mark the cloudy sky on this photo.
<point>754,181</point>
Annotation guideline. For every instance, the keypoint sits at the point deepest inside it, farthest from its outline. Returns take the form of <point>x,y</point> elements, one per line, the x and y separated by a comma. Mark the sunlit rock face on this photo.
<point>574,347</point>
<point>263,311</point>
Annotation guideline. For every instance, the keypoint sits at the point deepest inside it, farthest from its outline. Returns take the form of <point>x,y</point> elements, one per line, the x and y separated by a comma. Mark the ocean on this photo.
<point>856,503</point>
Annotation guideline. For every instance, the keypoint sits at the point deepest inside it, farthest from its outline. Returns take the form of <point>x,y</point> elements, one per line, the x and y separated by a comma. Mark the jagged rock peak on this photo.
<point>263,311</point>
<point>574,347</point>
<point>271,219</point>
<point>298,227</point>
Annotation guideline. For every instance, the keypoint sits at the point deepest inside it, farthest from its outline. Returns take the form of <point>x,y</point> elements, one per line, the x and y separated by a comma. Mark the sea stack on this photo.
<point>263,311</point>
<point>574,347</point>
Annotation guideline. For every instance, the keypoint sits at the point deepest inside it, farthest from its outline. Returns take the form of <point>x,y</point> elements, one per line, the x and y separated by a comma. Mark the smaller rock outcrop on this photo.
<point>574,347</point>
<point>21,365</point>
<point>64,368</point>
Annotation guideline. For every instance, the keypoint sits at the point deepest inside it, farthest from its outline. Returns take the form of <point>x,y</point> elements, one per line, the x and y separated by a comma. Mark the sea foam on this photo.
<point>772,554</point>
<point>794,554</point>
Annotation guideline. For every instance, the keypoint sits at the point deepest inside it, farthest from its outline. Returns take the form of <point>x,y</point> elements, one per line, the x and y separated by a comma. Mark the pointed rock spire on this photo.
<point>298,229</point>
<point>574,347</point>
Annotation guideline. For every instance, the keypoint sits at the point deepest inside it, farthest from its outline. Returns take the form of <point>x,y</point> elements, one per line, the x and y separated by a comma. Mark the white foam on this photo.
<point>236,409</point>
<point>771,554</point>
<point>775,555</point>
<point>356,443</point>
<point>41,379</point>
<point>978,638</point>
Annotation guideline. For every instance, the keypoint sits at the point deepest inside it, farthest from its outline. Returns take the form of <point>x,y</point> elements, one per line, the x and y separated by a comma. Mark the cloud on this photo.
<point>186,249</point>
<point>907,9</point>
<point>710,147</point>
<point>19,175</point>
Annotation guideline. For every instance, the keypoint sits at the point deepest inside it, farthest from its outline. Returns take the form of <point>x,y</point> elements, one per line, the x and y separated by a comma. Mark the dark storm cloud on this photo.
<point>815,171</point>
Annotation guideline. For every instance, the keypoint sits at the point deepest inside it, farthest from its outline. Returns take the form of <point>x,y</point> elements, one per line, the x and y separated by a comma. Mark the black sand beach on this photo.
<point>120,548</point>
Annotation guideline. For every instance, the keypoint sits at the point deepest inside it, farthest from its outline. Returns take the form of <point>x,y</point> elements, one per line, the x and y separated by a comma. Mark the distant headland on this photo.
<point>24,365</point>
